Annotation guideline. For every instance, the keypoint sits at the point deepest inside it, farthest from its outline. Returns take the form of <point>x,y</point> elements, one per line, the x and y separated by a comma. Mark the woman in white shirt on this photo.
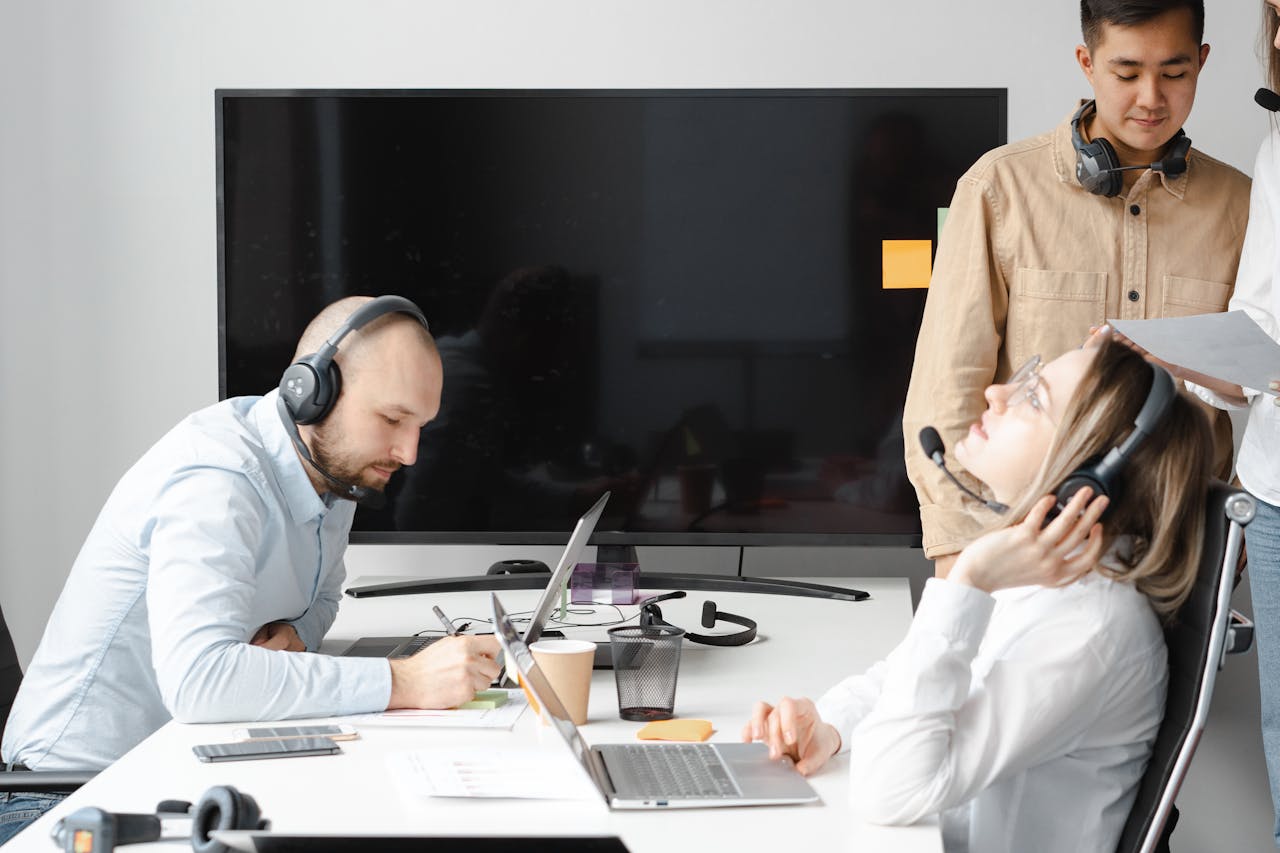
<point>1023,704</point>
<point>1258,465</point>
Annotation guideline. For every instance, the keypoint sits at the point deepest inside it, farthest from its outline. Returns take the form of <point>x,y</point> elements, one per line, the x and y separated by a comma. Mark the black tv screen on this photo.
<point>704,301</point>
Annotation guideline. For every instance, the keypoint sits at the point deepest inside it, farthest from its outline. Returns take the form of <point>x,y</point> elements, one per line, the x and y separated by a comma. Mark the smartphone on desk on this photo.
<point>253,749</point>
<point>333,732</point>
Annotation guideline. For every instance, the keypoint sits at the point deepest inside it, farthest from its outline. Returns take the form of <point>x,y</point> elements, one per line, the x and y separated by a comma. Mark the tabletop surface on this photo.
<point>805,646</point>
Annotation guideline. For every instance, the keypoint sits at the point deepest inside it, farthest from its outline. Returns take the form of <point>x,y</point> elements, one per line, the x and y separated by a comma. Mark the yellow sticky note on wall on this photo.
<point>907,263</point>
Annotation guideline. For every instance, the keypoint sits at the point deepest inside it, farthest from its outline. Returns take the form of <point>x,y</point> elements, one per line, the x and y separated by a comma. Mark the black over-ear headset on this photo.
<point>220,807</point>
<point>311,385</point>
<point>651,614</point>
<point>1104,474</point>
<point>1098,168</point>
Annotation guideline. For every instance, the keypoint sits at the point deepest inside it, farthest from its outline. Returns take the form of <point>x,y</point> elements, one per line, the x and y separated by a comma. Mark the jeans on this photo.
<point>20,808</point>
<point>1262,537</point>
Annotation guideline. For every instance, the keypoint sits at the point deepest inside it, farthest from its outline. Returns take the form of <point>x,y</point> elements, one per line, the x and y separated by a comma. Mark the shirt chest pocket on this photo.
<point>1050,311</point>
<point>1186,296</point>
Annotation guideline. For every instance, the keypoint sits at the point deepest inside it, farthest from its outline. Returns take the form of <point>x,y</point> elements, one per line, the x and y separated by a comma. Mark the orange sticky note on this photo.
<point>906,263</point>
<point>675,730</point>
<point>528,694</point>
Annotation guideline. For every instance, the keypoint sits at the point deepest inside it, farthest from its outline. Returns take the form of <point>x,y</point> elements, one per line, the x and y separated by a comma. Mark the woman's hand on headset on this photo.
<point>793,728</point>
<point>1032,553</point>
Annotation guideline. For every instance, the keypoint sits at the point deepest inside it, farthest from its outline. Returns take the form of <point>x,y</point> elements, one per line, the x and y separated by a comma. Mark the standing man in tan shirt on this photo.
<point>1030,259</point>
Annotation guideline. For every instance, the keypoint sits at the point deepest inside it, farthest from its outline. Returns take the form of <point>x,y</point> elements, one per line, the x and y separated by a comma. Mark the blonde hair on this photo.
<point>1164,485</point>
<point>1267,46</point>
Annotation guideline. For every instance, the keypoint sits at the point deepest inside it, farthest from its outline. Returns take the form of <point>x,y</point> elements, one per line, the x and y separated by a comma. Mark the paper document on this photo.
<point>1228,346</point>
<point>502,717</point>
<point>506,773</point>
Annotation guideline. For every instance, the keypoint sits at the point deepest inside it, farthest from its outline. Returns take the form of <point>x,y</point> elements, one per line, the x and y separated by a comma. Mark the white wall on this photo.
<point>107,218</point>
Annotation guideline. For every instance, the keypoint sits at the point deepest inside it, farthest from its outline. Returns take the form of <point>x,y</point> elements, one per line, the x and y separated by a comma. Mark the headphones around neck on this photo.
<point>1104,475</point>
<point>651,615</point>
<point>311,385</point>
<point>1098,167</point>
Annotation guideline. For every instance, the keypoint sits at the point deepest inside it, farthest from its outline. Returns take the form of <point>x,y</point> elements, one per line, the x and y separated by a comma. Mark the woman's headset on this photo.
<point>651,614</point>
<point>1104,474</point>
<point>311,385</point>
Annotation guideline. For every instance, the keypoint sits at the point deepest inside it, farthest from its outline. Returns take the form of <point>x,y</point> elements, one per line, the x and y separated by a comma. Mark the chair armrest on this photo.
<point>1239,633</point>
<point>51,781</point>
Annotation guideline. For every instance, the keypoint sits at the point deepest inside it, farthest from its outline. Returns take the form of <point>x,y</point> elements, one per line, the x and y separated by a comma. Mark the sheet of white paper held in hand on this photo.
<point>1228,346</point>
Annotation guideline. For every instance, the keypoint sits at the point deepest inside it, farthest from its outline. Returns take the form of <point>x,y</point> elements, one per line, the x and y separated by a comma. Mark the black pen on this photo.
<point>445,621</point>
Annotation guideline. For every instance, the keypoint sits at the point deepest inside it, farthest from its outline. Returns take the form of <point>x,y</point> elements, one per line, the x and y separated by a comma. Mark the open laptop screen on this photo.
<point>568,559</point>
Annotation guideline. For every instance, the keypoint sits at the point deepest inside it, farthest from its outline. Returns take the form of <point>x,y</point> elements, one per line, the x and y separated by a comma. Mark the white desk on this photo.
<point>808,644</point>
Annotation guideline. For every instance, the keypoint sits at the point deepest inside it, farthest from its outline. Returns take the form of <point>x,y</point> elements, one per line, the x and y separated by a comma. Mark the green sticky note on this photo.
<point>942,219</point>
<point>485,700</point>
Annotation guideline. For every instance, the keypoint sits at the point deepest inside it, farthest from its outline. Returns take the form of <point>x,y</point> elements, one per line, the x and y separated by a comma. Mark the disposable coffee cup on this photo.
<point>567,666</point>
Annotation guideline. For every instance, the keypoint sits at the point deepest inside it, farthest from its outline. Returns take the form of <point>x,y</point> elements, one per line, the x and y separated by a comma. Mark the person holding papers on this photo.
<point>217,563</point>
<point>1258,466</point>
<point>1023,704</point>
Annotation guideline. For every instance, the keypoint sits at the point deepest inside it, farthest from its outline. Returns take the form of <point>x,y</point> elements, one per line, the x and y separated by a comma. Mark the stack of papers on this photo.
<point>1229,346</point>
<point>505,773</point>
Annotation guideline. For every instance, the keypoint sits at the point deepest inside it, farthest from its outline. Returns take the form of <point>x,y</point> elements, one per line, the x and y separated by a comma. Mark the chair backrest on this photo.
<point>1197,642</point>
<point>10,673</point>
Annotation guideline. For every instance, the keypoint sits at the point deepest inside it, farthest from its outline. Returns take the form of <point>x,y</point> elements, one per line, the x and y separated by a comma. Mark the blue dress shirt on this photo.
<point>215,532</point>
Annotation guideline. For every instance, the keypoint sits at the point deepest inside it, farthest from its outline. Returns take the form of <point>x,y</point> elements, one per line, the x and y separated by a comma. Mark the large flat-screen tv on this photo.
<point>704,301</point>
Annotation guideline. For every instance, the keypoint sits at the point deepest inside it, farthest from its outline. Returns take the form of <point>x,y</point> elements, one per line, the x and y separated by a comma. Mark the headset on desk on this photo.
<point>100,831</point>
<point>651,614</point>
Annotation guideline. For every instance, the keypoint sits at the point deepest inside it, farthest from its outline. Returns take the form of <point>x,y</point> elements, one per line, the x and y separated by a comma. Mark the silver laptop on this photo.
<point>401,647</point>
<point>661,775</point>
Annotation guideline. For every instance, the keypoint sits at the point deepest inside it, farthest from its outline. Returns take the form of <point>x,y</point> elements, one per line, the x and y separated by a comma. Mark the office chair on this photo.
<point>62,782</point>
<point>1205,631</point>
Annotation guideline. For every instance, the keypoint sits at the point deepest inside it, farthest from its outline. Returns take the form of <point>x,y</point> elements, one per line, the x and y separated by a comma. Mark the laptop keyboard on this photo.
<point>691,770</point>
<point>413,646</point>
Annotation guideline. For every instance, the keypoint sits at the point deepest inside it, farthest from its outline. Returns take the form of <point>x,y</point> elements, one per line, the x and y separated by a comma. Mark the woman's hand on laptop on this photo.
<point>793,728</point>
<point>445,674</point>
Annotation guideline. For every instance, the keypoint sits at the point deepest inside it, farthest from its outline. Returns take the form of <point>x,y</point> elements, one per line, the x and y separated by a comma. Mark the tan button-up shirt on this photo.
<point>1028,261</point>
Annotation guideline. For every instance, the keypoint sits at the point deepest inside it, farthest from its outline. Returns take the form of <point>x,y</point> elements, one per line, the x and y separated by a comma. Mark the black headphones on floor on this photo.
<point>311,385</point>
<point>1098,167</point>
<point>1104,474</point>
<point>651,615</point>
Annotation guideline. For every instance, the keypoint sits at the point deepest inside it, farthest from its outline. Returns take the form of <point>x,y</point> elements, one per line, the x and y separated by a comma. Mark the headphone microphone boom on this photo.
<point>1102,474</point>
<point>932,445</point>
<point>371,498</point>
<point>1267,99</point>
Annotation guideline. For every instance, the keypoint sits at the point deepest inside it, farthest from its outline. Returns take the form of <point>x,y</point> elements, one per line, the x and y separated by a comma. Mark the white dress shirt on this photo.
<point>1258,465</point>
<point>1025,719</point>
<point>213,533</point>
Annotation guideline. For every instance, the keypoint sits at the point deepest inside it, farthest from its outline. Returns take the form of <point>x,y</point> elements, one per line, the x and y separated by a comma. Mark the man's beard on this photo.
<point>325,443</point>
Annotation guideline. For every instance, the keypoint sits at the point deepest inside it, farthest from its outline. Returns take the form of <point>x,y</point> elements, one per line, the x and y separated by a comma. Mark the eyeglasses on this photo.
<point>1025,382</point>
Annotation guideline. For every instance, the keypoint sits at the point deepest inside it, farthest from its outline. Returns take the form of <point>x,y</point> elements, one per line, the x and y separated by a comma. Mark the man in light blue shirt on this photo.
<point>217,562</point>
